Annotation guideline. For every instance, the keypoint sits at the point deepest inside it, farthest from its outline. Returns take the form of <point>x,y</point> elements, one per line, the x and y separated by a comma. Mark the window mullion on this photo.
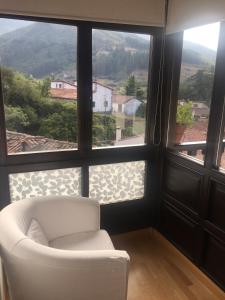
<point>84,91</point>
<point>216,122</point>
<point>3,140</point>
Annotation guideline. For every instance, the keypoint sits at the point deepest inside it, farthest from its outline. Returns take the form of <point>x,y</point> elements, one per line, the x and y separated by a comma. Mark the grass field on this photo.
<point>138,123</point>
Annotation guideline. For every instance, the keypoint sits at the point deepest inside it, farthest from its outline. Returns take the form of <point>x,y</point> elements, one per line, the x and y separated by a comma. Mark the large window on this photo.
<point>67,88</point>
<point>38,70</point>
<point>120,84</point>
<point>195,90</point>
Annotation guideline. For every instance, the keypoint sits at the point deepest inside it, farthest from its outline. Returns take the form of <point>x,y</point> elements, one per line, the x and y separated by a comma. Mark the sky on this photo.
<point>206,35</point>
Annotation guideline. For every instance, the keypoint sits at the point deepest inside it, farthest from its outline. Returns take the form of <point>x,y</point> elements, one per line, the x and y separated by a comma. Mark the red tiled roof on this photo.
<point>104,85</point>
<point>68,94</point>
<point>21,142</point>
<point>197,132</point>
<point>121,99</point>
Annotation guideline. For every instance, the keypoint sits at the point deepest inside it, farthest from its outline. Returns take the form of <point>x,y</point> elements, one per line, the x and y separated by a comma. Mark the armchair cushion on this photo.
<point>36,233</point>
<point>92,240</point>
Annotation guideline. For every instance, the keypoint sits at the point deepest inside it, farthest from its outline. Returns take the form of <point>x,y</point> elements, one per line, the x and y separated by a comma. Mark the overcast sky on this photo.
<point>204,35</point>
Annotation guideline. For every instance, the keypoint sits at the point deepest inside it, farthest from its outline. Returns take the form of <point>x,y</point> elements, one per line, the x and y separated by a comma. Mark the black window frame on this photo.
<point>85,156</point>
<point>214,141</point>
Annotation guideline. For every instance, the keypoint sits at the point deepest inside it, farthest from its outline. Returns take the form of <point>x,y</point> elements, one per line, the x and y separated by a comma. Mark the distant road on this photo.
<point>131,141</point>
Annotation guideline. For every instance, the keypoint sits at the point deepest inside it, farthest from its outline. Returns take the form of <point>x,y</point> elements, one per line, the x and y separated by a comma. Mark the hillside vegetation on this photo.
<point>42,49</point>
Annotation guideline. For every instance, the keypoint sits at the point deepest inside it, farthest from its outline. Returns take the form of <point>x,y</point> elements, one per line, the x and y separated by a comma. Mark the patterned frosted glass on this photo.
<point>117,182</point>
<point>42,183</point>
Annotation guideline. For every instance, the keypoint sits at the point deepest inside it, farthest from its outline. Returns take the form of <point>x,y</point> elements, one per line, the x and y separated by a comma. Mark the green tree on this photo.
<point>198,87</point>
<point>16,119</point>
<point>45,87</point>
<point>184,114</point>
<point>130,87</point>
<point>61,126</point>
<point>104,129</point>
<point>141,110</point>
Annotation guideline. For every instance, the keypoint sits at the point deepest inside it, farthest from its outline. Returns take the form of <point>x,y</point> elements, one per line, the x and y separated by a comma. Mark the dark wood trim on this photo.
<point>97,156</point>
<point>4,188</point>
<point>3,140</point>
<point>84,92</point>
<point>85,180</point>
<point>173,57</point>
<point>153,109</point>
<point>216,119</point>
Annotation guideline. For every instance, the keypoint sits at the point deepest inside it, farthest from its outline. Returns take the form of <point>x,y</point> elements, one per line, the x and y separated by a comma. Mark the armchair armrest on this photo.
<point>59,274</point>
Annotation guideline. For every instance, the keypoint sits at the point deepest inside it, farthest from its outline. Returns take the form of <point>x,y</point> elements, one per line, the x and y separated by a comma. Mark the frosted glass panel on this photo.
<point>117,182</point>
<point>42,183</point>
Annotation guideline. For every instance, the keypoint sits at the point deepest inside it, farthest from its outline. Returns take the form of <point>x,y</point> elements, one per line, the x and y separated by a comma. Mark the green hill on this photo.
<point>41,49</point>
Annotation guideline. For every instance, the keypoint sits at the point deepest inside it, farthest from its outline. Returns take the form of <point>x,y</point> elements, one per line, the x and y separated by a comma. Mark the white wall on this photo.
<point>184,14</point>
<point>101,95</point>
<point>64,85</point>
<point>116,107</point>
<point>131,107</point>
<point>143,12</point>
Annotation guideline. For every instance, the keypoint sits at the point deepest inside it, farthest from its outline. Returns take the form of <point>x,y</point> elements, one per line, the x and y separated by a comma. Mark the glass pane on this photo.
<point>120,80</point>
<point>195,90</point>
<point>117,182</point>
<point>43,183</point>
<point>38,69</point>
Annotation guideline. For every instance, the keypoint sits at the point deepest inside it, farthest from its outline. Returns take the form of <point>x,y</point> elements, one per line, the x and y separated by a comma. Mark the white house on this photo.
<point>102,97</point>
<point>125,104</point>
<point>63,90</point>
<point>61,84</point>
<point>102,94</point>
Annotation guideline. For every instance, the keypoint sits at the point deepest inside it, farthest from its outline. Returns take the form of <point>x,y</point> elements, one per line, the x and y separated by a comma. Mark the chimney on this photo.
<point>118,134</point>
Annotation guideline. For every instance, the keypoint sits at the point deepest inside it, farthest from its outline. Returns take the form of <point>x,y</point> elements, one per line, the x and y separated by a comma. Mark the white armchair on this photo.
<point>52,248</point>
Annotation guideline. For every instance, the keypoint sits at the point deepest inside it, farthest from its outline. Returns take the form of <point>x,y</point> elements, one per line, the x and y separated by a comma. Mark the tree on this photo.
<point>198,87</point>
<point>184,114</point>
<point>16,119</point>
<point>104,129</point>
<point>130,87</point>
<point>141,110</point>
<point>45,86</point>
<point>61,126</point>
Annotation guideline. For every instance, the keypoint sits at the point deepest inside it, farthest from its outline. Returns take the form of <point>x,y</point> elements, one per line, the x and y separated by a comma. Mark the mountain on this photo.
<point>7,25</point>
<point>41,49</point>
<point>196,54</point>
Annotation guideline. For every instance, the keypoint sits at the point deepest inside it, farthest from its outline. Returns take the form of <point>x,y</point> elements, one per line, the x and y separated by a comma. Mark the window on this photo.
<point>195,90</point>
<point>117,182</point>
<point>45,93</point>
<point>40,115</point>
<point>120,78</point>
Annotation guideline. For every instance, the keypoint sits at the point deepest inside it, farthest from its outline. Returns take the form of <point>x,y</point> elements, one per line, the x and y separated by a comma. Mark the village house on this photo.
<point>63,90</point>
<point>125,104</point>
<point>200,110</point>
<point>102,97</point>
<point>102,94</point>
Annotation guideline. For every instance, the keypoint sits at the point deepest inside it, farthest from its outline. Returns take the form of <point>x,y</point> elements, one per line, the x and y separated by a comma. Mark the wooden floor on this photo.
<point>160,272</point>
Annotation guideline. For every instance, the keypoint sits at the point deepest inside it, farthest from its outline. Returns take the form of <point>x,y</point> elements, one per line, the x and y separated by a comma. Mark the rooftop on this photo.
<point>21,142</point>
<point>68,94</point>
<point>121,99</point>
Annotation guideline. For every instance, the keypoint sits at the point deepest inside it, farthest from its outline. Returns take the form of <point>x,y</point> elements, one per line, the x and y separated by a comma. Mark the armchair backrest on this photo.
<point>57,215</point>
